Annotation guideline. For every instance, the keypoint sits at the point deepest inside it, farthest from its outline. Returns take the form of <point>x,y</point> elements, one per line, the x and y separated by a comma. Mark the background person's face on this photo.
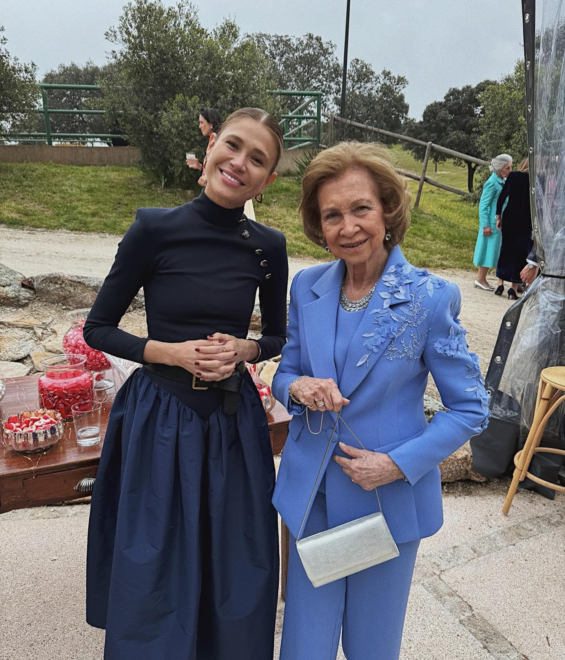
<point>204,126</point>
<point>505,171</point>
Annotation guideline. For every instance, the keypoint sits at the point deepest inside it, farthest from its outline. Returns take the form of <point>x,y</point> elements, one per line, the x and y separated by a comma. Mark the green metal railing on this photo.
<point>48,136</point>
<point>297,122</point>
<point>301,127</point>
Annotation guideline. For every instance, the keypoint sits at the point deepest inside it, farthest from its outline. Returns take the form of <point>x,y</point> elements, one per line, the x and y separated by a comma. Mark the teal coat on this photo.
<point>487,248</point>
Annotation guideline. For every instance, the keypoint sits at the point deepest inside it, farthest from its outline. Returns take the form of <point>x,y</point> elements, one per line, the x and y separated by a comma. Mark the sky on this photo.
<point>435,44</point>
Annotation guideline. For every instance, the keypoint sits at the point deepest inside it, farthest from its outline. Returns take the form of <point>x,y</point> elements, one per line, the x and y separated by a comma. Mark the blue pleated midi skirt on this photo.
<point>182,543</point>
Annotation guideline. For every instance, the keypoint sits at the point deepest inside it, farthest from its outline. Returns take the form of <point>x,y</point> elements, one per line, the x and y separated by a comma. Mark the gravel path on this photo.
<point>34,251</point>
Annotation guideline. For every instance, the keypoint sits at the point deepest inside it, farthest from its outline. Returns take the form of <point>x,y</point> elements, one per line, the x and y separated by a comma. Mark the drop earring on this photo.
<point>387,236</point>
<point>259,198</point>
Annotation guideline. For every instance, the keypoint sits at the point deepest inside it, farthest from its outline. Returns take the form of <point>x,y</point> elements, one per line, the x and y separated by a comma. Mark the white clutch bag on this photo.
<point>347,549</point>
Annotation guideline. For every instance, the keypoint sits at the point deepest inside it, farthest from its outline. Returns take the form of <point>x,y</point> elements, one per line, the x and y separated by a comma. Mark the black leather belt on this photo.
<point>231,386</point>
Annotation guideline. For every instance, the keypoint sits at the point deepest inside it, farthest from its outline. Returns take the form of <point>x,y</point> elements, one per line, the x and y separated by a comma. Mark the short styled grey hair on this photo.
<point>496,164</point>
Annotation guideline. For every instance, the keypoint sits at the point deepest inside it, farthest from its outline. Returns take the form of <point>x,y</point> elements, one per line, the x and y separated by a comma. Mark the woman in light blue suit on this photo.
<point>364,333</point>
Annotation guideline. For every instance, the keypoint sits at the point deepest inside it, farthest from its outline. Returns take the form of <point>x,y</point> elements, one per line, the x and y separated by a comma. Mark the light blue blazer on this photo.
<point>410,329</point>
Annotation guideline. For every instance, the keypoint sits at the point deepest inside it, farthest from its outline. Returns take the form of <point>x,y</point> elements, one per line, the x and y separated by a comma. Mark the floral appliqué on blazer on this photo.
<point>409,330</point>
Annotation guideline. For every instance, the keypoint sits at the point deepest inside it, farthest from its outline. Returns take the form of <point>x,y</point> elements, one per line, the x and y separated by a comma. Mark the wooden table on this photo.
<point>50,478</point>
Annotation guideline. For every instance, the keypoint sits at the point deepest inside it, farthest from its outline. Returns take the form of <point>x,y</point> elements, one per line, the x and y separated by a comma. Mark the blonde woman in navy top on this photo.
<point>182,545</point>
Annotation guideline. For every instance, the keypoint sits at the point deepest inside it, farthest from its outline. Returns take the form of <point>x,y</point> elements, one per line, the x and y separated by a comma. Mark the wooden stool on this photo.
<point>551,393</point>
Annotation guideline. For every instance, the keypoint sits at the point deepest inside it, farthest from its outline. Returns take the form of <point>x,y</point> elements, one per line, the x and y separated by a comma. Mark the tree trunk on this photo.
<point>471,168</point>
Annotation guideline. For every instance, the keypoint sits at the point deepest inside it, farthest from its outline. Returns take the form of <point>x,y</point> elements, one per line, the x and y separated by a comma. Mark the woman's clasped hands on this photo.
<point>216,357</point>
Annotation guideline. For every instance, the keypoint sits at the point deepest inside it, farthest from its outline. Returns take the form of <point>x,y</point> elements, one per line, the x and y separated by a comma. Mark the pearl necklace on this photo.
<point>355,305</point>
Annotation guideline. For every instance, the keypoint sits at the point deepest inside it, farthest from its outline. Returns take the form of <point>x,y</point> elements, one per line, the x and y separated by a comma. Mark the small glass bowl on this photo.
<point>32,441</point>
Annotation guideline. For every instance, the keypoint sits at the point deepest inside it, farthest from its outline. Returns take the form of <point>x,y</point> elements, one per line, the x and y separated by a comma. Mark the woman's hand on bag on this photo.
<point>318,394</point>
<point>487,231</point>
<point>368,469</point>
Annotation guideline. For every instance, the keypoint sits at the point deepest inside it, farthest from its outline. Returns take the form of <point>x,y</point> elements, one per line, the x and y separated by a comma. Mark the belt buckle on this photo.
<point>195,386</point>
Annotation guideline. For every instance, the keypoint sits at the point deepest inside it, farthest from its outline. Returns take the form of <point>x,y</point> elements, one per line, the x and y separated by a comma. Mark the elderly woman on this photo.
<point>364,333</point>
<point>489,240</point>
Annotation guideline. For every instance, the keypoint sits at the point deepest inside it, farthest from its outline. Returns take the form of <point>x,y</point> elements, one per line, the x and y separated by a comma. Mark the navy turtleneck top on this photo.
<point>200,266</point>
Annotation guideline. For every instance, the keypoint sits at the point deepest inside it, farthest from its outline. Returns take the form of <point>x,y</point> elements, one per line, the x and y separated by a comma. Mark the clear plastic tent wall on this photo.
<point>539,341</point>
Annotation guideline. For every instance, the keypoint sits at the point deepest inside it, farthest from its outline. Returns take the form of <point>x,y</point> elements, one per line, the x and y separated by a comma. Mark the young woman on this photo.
<point>182,549</point>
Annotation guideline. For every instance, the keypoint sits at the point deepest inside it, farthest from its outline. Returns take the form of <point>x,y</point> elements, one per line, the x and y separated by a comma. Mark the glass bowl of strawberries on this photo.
<point>32,431</point>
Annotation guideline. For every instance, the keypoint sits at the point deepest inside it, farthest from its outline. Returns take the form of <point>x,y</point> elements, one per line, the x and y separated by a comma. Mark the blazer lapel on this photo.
<point>380,323</point>
<point>320,318</point>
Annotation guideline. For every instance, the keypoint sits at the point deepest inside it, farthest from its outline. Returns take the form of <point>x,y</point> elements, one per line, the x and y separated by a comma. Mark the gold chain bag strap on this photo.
<point>347,549</point>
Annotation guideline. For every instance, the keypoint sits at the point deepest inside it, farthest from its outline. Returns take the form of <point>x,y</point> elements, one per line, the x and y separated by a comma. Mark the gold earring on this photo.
<point>259,198</point>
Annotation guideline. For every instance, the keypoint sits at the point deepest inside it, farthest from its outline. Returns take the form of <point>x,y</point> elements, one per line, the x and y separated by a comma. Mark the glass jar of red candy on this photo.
<point>96,361</point>
<point>65,382</point>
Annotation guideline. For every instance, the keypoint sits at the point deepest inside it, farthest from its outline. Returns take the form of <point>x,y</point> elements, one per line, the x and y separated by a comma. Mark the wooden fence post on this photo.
<point>423,175</point>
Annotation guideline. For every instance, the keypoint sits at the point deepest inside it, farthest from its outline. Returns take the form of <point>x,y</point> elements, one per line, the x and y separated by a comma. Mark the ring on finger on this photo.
<point>320,404</point>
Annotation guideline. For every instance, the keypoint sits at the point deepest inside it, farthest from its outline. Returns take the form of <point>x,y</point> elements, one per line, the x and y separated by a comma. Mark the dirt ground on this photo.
<point>33,251</point>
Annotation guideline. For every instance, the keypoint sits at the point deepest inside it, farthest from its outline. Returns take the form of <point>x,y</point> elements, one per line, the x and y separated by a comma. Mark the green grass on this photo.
<point>98,199</point>
<point>104,199</point>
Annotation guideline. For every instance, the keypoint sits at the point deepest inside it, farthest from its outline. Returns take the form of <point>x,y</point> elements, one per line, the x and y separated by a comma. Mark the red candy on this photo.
<point>38,420</point>
<point>59,391</point>
<point>74,344</point>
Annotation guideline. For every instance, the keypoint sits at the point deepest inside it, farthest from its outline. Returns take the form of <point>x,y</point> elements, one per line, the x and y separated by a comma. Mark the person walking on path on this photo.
<point>183,539</point>
<point>489,239</point>
<point>514,219</point>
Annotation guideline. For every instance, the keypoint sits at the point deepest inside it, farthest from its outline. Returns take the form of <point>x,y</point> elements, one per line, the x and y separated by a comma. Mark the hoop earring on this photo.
<point>259,198</point>
<point>387,236</point>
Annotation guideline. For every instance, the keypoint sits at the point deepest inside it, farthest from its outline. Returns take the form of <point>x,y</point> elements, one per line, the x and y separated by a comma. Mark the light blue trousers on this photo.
<point>367,608</point>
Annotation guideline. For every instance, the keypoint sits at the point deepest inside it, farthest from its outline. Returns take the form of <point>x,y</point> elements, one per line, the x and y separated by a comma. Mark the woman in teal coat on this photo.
<point>489,239</point>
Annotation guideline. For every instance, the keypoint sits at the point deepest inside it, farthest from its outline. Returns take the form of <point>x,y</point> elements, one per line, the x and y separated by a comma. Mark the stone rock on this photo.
<point>255,323</point>
<point>138,302</point>
<point>457,467</point>
<point>53,344</point>
<point>70,291</point>
<point>73,291</point>
<point>13,369</point>
<point>16,343</point>
<point>37,356</point>
<point>13,292</point>
<point>28,322</point>
<point>268,372</point>
<point>431,406</point>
